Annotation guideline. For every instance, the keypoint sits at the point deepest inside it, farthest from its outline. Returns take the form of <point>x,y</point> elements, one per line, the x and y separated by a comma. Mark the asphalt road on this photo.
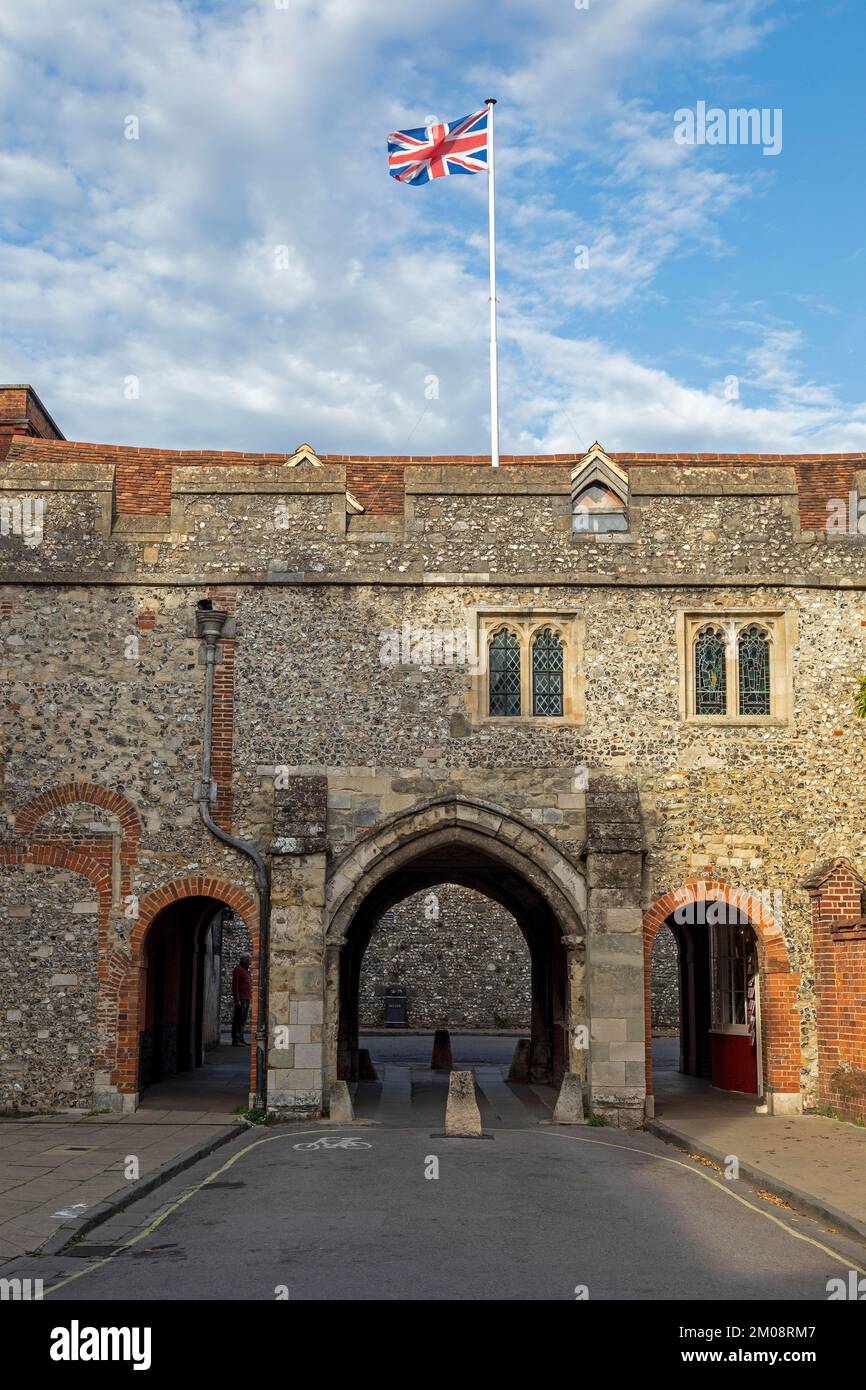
<point>527,1213</point>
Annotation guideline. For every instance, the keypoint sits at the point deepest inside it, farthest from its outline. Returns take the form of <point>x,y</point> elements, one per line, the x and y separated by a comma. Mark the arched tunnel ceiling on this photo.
<point>468,867</point>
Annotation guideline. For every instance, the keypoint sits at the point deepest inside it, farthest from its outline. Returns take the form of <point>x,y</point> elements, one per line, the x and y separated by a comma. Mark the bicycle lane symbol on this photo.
<point>327,1142</point>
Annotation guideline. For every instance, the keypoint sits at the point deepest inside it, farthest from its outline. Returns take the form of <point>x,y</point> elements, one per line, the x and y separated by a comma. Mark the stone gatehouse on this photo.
<point>609,692</point>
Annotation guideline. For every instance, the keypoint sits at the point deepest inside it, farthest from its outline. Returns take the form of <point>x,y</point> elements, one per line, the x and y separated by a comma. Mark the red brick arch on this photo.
<point>62,857</point>
<point>123,969</point>
<point>779,984</point>
<point>28,818</point>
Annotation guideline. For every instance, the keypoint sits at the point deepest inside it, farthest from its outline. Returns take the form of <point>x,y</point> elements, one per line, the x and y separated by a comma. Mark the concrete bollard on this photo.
<point>341,1109</point>
<point>462,1116</point>
<point>519,1069</point>
<point>569,1104</point>
<point>441,1059</point>
<point>366,1070</point>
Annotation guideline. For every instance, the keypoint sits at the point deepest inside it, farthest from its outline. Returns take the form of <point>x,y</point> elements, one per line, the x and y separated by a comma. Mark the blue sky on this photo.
<point>263,127</point>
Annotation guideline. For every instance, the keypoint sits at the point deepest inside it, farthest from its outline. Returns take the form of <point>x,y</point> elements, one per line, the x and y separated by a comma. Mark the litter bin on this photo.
<point>396,1008</point>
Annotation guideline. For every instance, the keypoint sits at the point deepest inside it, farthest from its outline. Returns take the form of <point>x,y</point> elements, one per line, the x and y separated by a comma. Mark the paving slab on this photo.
<point>503,1101</point>
<point>59,1179</point>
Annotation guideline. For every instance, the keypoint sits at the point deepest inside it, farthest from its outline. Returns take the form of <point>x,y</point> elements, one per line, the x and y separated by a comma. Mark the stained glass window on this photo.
<point>547,670</point>
<point>754,661</point>
<point>504,670</point>
<point>711,695</point>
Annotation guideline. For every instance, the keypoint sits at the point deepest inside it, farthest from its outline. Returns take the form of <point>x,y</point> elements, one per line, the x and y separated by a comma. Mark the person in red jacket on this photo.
<point>242,993</point>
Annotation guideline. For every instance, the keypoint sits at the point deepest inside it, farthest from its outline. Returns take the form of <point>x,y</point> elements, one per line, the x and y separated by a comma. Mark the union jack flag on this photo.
<point>435,151</point>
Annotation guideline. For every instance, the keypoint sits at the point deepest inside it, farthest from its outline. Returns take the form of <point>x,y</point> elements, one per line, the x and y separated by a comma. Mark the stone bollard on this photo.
<point>569,1105</point>
<point>462,1116</point>
<point>366,1070</point>
<point>340,1110</point>
<point>441,1059</point>
<point>519,1069</point>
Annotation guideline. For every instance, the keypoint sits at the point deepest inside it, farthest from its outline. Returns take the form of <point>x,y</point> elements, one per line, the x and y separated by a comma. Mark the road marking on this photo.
<point>173,1207</point>
<point>539,1133</point>
<point>699,1173</point>
<point>327,1143</point>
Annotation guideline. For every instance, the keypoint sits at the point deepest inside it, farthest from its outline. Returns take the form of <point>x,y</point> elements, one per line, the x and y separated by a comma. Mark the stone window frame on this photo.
<point>526,623</point>
<point>596,467</point>
<point>780,626</point>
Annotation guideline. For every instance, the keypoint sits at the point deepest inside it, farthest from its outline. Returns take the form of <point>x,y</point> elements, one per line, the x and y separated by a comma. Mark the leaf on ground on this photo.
<point>707,1162</point>
<point>771,1197</point>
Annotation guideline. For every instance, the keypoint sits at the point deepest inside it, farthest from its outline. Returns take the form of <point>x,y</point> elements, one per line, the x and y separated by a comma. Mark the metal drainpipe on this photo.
<point>210,622</point>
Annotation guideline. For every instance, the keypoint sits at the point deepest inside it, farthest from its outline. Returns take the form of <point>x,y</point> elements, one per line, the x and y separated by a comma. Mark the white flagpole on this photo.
<point>491,238</point>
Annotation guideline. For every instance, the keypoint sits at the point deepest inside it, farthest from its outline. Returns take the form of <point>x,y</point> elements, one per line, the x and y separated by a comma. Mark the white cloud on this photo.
<point>263,128</point>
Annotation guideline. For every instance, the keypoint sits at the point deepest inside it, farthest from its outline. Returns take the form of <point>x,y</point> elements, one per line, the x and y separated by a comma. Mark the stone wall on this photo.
<point>103,685</point>
<point>665,984</point>
<point>236,942</point>
<point>48,981</point>
<point>460,957</point>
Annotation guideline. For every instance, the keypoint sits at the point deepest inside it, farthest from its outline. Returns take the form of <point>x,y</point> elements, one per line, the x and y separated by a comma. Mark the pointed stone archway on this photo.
<point>480,846</point>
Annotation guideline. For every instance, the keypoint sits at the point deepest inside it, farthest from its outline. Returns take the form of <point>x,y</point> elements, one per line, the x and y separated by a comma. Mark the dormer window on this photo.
<point>598,508</point>
<point>599,495</point>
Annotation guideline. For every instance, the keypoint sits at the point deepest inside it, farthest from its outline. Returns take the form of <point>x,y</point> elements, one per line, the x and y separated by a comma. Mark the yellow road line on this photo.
<point>173,1206</point>
<point>720,1186</point>
<point>544,1133</point>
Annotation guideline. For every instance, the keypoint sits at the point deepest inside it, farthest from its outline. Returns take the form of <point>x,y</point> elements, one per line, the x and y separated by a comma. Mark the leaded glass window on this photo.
<point>710,678</point>
<point>547,672</point>
<point>504,673</point>
<point>753,650</point>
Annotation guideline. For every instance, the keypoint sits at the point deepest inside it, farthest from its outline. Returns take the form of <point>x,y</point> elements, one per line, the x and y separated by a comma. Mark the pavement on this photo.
<point>60,1174</point>
<point>815,1163</point>
<point>65,1176</point>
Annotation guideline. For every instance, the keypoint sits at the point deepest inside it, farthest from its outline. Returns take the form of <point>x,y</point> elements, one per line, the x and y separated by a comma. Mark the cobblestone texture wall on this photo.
<point>103,682</point>
<point>48,977</point>
<point>236,943</point>
<point>461,958</point>
<point>665,984</point>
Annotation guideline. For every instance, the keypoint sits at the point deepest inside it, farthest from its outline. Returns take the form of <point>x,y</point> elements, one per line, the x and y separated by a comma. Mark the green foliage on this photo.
<point>598,1121</point>
<point>254,1116</point>
<point>860,698</point>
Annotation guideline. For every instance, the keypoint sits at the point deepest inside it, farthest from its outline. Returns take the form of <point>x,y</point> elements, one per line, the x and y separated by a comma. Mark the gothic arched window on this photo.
<point>710,674</point>
<point>753,652</point>
<point>503,655</point>
<point>547,674</point>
